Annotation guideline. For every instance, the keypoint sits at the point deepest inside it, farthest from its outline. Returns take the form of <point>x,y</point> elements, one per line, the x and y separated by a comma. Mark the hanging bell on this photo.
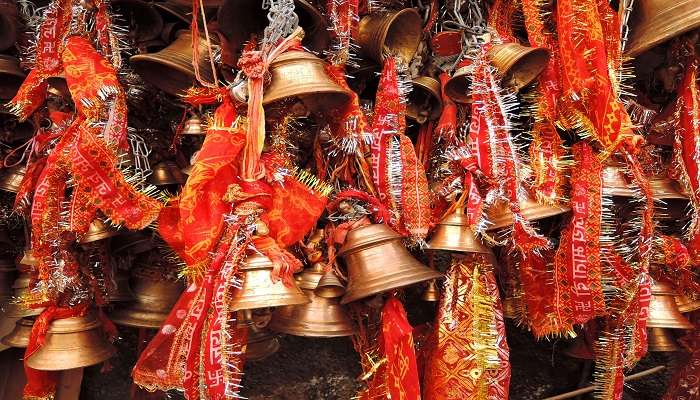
<point>500,215</point>
<point>686,304</point>
<point>240,19</point>
<point>20,290</point>
<point>19,336</point>
<point>661,340</point>
<point>397,33</point>
<point>170,69</point>
<point>458,87</point>
<point>366,251</point>
<point>322,317</point>
<point>302,75</point>
<point>518,65</point>
<point>166,173</point>
<point>153,300</point>
<point>329,286</point>
<point>424,100</point>
<point>454,234</point>
<point>580,348</point>
<point>193,126</point>
<point>258,290</point>
<point>431,292</point>
<point>9,24</point>
<point>12,178</point>
<point>261,344</point>
<point>653,22</point>
<point>97,230</point>
<point>122,290</point>
<point>74,342</point>
<point>11,76</point>
<point>134,242</point>
<point>144,22</point>
<point>663,311</point>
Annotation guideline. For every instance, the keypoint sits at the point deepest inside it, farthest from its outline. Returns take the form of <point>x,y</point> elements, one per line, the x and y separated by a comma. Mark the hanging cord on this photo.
<point>197,8</point>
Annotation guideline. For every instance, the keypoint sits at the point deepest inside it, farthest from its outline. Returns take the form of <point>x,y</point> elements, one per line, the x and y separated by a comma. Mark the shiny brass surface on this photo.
<point>500,215</point>
<point>167,173</point>
<point>322,317</point>
<point>19,336</point>
<point>302,75</point>
<point>152,303</point>
<point>98,230</point>
<point>397,32</point>
<point>377,262</point>
<point>122,290</point>
<point>145,21</point>
<point>11,75</point>
<point>171,69</point>
<point>12,178</point>
<point>20,288</point>
<point>519,65</point>
<point>661,340</point>
<point>431,292</point>
<point>458,87</point>
<point>653,22</point>
<point>329,286</point>
<point>424,101</point>
<point>193,126</point>
<point>663,311</point>
<point>453,233</point>
<point>261,344</point>
<point>74,342</point>
<point>258,290</point>
<point>686,304</point>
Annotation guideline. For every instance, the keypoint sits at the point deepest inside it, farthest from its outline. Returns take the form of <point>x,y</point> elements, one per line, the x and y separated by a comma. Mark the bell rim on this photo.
<point>648,40</point>
<point>129,317</point>
<point>485,250</point>
<point>297,329</point>
<point>527,55</point>
<point>9,65</point>
<point>506,219</point>
<point>377,54</point>
<point>251,302</point>
<point>105,353</point>
<point>397,282</point>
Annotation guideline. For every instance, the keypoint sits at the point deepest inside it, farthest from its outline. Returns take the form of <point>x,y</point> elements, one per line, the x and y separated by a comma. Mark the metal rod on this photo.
<point>591,388</point>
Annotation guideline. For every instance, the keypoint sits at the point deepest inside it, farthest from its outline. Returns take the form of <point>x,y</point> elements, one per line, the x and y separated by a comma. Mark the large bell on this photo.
<point>11,76</point>
<point>302,75</point>
<point>97,230</point>
<point>377,262</point>
<point>454,234</point>
<point>12,178</point>
<point>653,22</point>
<point>134,242</point>
<point>171,69</point>
<point>153,300</point>
<point>258,290</point>
<point>166,173</point>
<point>322,317</point>
<point>500,215</point>
<point>424,100</point>
<point>144,21</point>
<point>519,65</point>
<point>19,336</point>
<point>74,342</point>
<point>261,344</point>
<point>686,304</point>
<point>661,340</point>
<point>663,311</point>
<point>395,33</point>
<point>458,87</point>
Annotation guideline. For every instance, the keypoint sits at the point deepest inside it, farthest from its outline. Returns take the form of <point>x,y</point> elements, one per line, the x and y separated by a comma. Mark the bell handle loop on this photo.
<point>458,205</point>
<point>28,147</point>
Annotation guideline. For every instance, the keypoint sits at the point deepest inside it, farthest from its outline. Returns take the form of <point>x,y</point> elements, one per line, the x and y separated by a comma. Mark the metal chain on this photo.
<point>467,16</point>
<point>626,6</point>
<point>282,20</point>
<point>140,151</point>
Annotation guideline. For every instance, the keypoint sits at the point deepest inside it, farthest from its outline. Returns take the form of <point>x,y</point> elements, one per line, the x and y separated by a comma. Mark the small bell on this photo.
<point>431,293</point>
<point>329,286</point>
<point>193,126</point>
<point>687,304</point>
<point>19,337</point>
<point>97,230</point>
<point>167,173</point>
<point>653,22</point>
<point>153,300</point>
<point>458,87</point>
<point>519,65</point>
<point>663,311</point>
<point>258,290</point>
<point>12,178</point>
<point>396,32</point>
<point>366,251</point>
<point>73,342</point>
<point>424,100</point>
<point>261,344</point>
<point>661,340</point>
<point>664,188</point>
<point>500,215</point>
<point>454,234</point>
<point>122,290</point>
<point>11,76</point>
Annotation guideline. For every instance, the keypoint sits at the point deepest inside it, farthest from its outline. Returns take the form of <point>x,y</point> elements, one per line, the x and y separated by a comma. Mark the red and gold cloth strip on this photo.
<point>447,124</point>
<point>343,15</point>
<point>577,261</point>
<point>501,20</point>
<point>469,359</point>
<point>398,175</point>
<point>686,379</point>
<point>542,294</point>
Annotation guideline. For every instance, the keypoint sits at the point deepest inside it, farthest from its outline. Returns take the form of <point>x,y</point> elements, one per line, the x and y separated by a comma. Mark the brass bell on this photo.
<point>322,317</point>
<point>240,19</point>
<point>19,337</point>
<point>396,33</point>
<point>11,76</point>
<point>258,290</point>
<point>261,344</point>
<point>431,292</point>
<point>653,22</point>
<point>302,75</point>
<point>500,215</point>
<point>454,234</point>
<point>377,262</point>
<point>134,242</point>
<point>153,300</point>
<point>663,311</point>
<point>329,286</point>
<point>686,304</point>
<point>171,69</point>
<point>21,289</point>
<point>193,126</point>
<point>519,65</point>
<point>122,290</point>
<point>144,22</point>
<point>424,101</point>
<point>458,87</point>
<point>166,173</point>
<point>580,348</point>
<point>661,340</point>
<point>97,230</point>
<point>12,178</point>
<point>74,342</point>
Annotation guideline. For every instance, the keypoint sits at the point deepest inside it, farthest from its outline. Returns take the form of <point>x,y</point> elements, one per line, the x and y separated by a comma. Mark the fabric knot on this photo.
<point>252,64</point>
